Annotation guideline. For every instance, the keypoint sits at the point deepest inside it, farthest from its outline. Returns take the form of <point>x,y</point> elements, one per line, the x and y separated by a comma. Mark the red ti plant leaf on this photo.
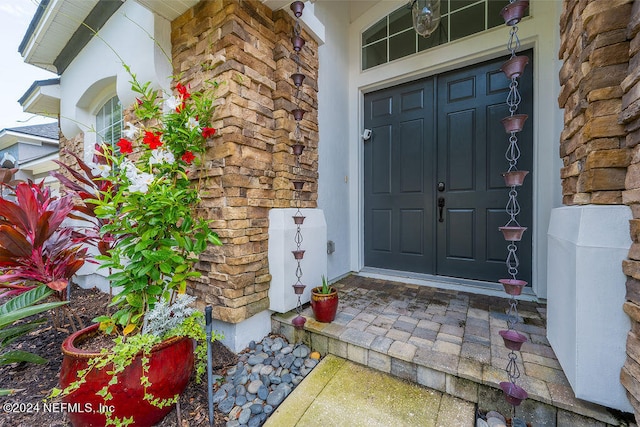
<point>13,242</point>
<point>58,285</point>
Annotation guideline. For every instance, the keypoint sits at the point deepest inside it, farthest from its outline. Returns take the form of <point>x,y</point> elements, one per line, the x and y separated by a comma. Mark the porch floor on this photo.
<point>447,341</point>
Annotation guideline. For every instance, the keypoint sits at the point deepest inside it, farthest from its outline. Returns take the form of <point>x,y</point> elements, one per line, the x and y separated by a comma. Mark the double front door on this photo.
<point>434,192</point>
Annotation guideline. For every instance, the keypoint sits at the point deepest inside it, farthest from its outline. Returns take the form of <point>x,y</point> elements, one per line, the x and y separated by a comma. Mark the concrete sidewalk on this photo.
<point>338,392</point>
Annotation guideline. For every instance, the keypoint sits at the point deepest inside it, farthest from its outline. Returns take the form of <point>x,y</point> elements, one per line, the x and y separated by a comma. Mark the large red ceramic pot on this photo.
<point>170,366</point>
<point>324,306</point>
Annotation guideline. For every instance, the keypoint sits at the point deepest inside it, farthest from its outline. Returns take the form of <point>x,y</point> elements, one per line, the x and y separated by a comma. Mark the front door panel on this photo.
<point>434,194</point>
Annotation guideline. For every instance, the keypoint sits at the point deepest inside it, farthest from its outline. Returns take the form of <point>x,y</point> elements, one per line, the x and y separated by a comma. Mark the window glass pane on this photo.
<point>467,21</point>
<point>457,4</point>
<point>400,20</point>
<point>109,122</point>
<point>375,54</point>
<point>376,32</point>
<point>438,37</point>
<point>402,44</point>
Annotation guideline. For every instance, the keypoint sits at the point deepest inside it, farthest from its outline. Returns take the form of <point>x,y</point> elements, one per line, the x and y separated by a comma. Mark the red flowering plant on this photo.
<point>148,207</point>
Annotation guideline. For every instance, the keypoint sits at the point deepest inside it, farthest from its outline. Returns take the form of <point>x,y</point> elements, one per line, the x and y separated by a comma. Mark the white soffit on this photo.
<point>168,9</point>
<point>60,21</point>
<point>43,101</point>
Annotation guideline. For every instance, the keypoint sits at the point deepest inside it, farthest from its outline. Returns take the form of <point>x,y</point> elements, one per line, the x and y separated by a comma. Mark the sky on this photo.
<point>17,76</point>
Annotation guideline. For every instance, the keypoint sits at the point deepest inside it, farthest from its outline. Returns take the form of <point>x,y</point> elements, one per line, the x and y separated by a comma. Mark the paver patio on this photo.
<point>447,341</point>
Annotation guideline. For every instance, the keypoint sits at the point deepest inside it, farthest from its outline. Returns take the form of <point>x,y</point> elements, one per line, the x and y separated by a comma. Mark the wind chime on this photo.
<point>298,219</point>
<point>512,230</point>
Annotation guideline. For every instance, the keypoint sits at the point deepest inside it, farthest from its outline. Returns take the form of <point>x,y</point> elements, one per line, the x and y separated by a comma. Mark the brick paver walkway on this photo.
<point>445,340</point>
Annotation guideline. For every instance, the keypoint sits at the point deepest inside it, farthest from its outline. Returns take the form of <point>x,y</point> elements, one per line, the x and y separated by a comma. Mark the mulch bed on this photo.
<point>36,381</point>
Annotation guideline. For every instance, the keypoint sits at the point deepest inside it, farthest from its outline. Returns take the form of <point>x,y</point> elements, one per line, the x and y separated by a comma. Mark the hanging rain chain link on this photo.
<point>512,208</point>
<point>298,216</point>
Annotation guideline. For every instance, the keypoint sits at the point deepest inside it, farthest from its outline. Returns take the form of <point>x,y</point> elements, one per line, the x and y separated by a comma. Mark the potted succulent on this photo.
<point>144,205</point>
<point>324,302</point>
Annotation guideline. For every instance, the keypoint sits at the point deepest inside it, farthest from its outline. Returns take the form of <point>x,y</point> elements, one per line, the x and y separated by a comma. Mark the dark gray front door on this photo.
<point>434,194</point>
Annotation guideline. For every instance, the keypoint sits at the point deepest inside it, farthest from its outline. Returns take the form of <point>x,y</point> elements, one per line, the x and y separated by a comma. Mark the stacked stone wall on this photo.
<point>629,118</point>
<point>595,53</point>
<point>249,166</point>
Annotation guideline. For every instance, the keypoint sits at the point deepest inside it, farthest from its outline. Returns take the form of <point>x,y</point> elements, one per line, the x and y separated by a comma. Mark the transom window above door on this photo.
<point>393,36</point>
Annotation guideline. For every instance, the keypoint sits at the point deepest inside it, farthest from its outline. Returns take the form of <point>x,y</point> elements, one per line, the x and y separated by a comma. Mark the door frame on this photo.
<point>538,32</point>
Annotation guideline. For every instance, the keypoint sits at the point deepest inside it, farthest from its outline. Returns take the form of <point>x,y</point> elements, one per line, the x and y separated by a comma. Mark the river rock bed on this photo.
<point>264,376</point>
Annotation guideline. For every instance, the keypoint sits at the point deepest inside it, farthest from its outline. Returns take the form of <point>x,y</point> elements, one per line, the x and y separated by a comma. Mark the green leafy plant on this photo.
<point>11,313</point>
<point>325,289</point>
<point>141,197</point>
<point>148,210</point>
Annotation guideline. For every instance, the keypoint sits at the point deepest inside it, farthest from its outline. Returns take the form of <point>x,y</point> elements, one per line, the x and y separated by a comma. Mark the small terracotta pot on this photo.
<point>170,366</point>
<point>512,234</point>
<point>324,306</point>
<point>513,340</point>
<point>513,393</point>
<point>514,123</point>
<point>513,286</point>
<point>298,254</point>
<point>513,13</point>
<point>514,178</point>
<point>514,67</point>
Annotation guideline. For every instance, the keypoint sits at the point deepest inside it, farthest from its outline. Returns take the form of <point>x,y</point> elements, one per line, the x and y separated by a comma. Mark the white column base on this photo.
<point>586,289</point>
<point>237,336</point>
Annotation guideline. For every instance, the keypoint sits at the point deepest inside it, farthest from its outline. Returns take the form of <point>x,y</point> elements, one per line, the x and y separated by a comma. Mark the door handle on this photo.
<point>441,203</point>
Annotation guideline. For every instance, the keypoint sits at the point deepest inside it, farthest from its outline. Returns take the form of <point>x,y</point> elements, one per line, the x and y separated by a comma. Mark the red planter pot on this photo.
<point>170,365</point>
<point>324,306</point>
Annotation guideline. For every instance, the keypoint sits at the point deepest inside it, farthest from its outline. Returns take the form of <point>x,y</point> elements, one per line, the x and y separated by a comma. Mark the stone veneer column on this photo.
<point>244,46</point>
<point>595,51</point>
<point>630,117</point>
<point>599,144</point>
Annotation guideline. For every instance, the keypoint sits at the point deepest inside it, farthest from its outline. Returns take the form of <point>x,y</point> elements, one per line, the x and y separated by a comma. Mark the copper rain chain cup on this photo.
<point>513,13</point>
<point>299,78</point>
<point>298,254</point>
<point>513,340</point>
<point>514,67</point>
<point>514,178</point>
<point>513,394</point>
<point>298,43</point>
<point>513,286</point>
<point>512,234</point>
<point>298,185</point>
<point>514,123</point>
<point>297,149</point>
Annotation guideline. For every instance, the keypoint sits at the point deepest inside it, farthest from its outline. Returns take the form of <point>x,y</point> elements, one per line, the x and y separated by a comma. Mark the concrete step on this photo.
<point>339,392</point>
<point>459,377</point>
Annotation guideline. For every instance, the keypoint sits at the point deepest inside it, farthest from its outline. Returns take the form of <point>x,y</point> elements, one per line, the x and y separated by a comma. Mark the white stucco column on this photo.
<point>586,326</point>
<point>282,265</point>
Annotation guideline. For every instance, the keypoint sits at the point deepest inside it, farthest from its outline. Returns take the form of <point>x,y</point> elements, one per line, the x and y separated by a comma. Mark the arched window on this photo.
<point>109,122</point>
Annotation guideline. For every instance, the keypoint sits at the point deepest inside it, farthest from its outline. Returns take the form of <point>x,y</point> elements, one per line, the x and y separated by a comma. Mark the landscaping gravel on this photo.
<point>264,376</point>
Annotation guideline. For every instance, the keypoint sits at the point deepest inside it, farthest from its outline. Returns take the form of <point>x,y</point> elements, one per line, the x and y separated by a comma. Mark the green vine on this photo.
<point>126,349</point>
